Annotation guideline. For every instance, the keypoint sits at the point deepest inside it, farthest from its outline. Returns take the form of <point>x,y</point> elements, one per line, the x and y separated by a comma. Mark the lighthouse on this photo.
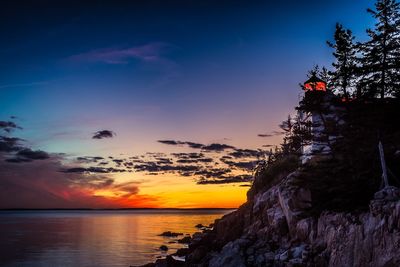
<point>321,116</point>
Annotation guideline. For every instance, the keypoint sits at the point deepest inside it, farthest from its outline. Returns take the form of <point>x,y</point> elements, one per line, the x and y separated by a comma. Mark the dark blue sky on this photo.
<point>197,69</point>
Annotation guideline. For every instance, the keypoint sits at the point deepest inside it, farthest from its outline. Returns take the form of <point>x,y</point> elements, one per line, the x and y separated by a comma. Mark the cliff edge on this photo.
<point>275,228</point>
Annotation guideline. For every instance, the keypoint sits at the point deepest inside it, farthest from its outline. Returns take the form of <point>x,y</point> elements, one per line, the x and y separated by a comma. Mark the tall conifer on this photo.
<point>380,70</point>
<point>342,76</point>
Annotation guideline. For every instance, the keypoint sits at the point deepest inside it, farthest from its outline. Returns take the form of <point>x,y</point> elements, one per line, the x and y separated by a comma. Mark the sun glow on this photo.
<point>169,191</point>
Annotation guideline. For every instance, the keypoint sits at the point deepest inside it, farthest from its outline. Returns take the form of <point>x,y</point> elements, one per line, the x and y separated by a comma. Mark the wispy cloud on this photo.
<point>151,52</point>
<point>13,85</point>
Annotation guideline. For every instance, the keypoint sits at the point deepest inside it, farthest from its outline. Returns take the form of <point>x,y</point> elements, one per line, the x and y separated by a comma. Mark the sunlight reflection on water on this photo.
<point>93,238</point>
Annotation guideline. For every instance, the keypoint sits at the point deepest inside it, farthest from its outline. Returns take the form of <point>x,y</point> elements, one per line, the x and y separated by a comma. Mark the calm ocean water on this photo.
<point>92,238</point>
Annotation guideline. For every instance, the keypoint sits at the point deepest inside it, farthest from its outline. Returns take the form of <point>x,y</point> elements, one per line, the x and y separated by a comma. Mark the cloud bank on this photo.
<point>32,178</point>
<point>38,179</point>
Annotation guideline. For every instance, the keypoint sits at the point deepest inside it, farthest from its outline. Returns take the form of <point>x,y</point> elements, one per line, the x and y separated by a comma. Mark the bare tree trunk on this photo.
<point>383,164</point>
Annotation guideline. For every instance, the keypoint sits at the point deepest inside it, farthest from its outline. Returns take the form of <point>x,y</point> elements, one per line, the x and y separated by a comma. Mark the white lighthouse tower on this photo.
<point>323,115</point>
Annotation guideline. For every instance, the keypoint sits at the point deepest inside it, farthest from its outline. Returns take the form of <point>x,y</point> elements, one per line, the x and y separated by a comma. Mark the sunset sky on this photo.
<point>151,103</point>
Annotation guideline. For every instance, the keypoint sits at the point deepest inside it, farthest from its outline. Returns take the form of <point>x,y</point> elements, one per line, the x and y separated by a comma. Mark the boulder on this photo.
<point>230,256</point>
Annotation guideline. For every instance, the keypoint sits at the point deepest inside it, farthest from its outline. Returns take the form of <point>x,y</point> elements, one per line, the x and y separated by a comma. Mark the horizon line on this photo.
<point>94,209</point>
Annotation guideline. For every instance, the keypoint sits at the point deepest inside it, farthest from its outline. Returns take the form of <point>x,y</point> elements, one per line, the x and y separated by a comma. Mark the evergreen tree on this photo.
<point>342,77</point>
<point>287,126</point>
<point>381,54</point>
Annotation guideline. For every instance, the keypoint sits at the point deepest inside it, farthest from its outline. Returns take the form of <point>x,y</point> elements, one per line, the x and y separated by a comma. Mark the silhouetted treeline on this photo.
<point>364,86</point>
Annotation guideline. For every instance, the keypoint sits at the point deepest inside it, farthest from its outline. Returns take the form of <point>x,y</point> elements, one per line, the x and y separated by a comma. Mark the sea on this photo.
<point>81,238</point>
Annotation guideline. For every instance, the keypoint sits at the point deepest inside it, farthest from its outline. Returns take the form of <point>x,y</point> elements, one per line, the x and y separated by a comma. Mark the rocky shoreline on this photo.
<point>273,228</point>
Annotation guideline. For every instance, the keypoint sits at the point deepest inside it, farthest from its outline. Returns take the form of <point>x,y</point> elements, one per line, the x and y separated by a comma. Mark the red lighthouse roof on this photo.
<point>315,84</point>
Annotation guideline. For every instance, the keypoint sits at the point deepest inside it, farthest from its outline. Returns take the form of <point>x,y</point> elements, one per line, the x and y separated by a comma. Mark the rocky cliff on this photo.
<point>274,228</point>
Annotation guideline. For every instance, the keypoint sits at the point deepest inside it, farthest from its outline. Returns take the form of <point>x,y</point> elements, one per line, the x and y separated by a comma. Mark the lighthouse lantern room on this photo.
<point>315,84</point>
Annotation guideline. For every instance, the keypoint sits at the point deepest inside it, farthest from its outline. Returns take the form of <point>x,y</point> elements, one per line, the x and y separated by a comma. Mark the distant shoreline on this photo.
<point>111,209</point>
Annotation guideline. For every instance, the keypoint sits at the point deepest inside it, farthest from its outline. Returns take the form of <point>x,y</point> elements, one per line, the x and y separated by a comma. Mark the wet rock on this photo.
<point>170,234</point>
<point>199,226</point>
<point>182,252</point>
<point>163,248</point>
<point>229,256</point>
<point>170,262</point>
<point>167,262</point>
<point>185,240</point>
<point>146,265</point>
<point>198,254</point>
<point>197,235</point>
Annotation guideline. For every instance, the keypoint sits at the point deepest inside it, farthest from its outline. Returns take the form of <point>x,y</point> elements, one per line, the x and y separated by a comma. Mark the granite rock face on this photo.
<point>273,229</point>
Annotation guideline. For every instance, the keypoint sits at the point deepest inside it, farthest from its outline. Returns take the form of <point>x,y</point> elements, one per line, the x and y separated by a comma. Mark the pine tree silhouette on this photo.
<point>380,61</point>
<point>342,78</point>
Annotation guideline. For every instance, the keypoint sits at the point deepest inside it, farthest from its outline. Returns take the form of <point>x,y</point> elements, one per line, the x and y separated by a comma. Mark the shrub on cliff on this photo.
<point>272,173</point>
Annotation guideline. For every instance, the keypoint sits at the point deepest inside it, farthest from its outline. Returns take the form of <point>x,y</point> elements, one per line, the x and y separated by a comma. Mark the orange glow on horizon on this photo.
<point>173,191</point>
